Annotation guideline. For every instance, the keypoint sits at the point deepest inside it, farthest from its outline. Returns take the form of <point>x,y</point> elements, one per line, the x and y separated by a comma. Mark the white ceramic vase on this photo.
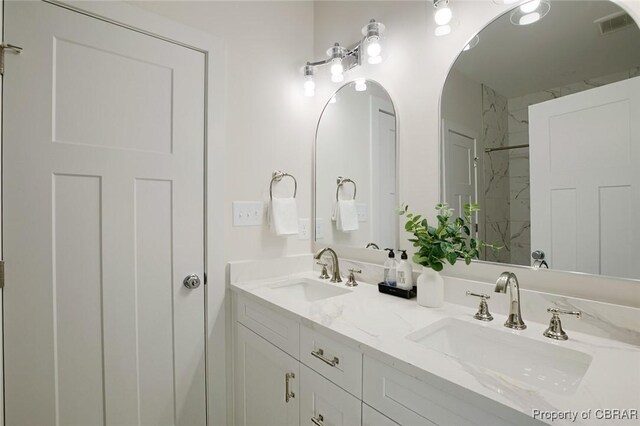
<point>430,288</point>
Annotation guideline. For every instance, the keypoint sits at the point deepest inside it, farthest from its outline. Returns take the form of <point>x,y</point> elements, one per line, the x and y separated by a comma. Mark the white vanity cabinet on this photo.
<point>289,374</point>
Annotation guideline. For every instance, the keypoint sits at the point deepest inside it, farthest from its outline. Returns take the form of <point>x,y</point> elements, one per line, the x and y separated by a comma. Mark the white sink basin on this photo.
<point>539,364</point>
<point>309,290</point>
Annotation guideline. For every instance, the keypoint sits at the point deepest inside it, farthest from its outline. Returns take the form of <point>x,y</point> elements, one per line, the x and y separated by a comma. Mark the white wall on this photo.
<point>269,123</point>
<point>462,101</point>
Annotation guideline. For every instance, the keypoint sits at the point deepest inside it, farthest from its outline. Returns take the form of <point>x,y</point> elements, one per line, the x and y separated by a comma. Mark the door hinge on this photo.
<point>3,48</point>
<point>1,273</point>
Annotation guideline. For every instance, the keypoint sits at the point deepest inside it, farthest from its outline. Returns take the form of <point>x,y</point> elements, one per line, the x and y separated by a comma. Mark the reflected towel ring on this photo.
<point>277,176</point>
<point>341,181</point>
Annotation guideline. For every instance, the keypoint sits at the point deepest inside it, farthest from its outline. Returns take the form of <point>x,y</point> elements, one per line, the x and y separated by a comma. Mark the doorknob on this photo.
<point>191,281</point>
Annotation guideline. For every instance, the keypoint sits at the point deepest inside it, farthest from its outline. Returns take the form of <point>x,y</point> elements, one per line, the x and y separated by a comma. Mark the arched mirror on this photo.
<point>541,128</point>
<point>355,168</point>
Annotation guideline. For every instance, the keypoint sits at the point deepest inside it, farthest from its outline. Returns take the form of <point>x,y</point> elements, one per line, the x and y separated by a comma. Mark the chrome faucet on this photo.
<point>335,265</point>
<point>509,279</point>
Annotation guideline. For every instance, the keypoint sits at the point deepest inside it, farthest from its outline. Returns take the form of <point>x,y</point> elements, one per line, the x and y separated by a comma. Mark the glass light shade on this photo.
<point>337,78</point>
<point>529,18</point>
<point>530,12</point>
<point>442,30</point>
<point>309,87</point>
<point>530,6</point>
<point>336,67</point>
<point>374,48</point>
<point>361,85</point>
<point>443,15</point>
<point>374,60</point>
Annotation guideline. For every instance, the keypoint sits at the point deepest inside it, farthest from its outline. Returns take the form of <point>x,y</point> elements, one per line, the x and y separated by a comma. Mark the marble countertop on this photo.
<point>378,324</point>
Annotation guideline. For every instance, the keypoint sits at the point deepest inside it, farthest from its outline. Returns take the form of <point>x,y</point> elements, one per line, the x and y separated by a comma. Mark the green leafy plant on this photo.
<point>448,241</point>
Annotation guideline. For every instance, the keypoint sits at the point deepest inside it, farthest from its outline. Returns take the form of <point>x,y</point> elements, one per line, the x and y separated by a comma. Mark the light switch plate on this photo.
<point>363,212</point>
<point>247,213</point>
<point>319,229</point>
<point>304,230</point>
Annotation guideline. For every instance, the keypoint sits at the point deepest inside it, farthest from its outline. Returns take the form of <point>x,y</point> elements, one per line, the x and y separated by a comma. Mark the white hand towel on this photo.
<point>346,215</point>
<point>283,216</point>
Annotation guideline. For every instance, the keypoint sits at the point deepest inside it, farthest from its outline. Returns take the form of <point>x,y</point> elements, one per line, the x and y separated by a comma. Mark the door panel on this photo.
<point>103,193</point>
<point>585,180</point>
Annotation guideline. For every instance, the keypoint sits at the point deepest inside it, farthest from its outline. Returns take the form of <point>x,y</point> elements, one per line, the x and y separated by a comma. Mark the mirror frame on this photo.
<point>576,274</point>
<point>319,244</point>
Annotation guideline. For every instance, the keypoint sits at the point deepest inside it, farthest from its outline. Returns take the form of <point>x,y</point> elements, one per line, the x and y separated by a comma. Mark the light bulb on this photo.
<point>337,78</point>
<point>374,48</point>
<point>443,15</point>
<point>530,6</point>
<point>361,85</point>
<point>442,30</point>
<point>529,18</point>
<point>337,68</point>
<point>374,60</point>
<point>309,87</point>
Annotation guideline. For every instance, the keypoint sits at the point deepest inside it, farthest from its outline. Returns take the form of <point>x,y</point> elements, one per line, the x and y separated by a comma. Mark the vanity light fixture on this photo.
<point>341,59</point>
<point>530,12</point>
<point>442,15</point>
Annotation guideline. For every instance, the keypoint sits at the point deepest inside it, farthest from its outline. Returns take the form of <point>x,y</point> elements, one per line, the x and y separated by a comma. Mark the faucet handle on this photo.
<point>351,282</point>
<point>555,331</point>
<point>483,313</point>
<point>324,275</point>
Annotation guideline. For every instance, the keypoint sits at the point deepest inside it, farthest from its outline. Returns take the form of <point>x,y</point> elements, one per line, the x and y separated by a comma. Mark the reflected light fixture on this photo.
<point>442,15</point>
<point>361,85</point>
<point>530,12</point>
<point>473,43</point>
<point>341,59</point>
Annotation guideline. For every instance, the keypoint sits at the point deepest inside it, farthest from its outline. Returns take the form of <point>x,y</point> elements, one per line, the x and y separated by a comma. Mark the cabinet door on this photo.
<point>267,383</point>
<point>371,417</point>
<point>322,403</point>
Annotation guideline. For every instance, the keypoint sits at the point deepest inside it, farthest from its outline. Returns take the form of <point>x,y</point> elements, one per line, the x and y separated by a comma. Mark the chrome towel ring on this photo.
<point>341,181</point>
<point>277,176</point>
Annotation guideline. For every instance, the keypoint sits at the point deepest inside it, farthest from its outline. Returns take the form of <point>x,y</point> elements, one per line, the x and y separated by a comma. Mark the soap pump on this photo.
<point>405,272</point>
<point>390,269</point>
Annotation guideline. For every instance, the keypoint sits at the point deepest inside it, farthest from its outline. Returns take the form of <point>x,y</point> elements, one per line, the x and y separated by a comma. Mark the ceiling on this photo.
<point>563,48</point>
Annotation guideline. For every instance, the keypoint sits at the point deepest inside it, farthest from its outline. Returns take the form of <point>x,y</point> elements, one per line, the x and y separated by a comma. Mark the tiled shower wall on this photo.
<point>518,159</point>
<point>496,175</point>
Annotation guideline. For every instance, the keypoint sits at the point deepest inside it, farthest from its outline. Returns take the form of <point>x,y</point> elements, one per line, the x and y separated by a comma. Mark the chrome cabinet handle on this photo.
<point>288,394</point>
<point>317,420</point>
<point>320,355</point>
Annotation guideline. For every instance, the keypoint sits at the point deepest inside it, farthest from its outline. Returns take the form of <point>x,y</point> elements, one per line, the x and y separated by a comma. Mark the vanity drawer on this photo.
<point>410,401</point>
<point>337,362</point>
<point>371,417</point>
<point>323,403</point>
<point>275,328</point>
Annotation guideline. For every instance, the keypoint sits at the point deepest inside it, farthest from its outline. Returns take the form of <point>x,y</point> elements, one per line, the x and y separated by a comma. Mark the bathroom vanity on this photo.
<point>308,351</point>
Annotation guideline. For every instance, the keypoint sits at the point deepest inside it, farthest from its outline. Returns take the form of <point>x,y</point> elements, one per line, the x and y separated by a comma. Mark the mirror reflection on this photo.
<point>355,169</point>
<point>540,127</point>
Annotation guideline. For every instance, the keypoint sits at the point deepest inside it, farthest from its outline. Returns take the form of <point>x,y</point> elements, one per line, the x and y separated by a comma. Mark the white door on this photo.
<point>323,403</point>
<point>264,376</point>
<point>461,163</point>
<point>383,173</point>
<point>585,180</point>
<point>103,218</point>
